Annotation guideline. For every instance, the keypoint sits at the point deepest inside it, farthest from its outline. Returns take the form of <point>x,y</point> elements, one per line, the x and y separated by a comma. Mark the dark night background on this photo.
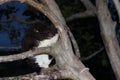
<point>86,32</point>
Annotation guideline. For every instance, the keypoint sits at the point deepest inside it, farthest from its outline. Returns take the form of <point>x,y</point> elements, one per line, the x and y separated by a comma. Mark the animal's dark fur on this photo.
<point>37,32</point>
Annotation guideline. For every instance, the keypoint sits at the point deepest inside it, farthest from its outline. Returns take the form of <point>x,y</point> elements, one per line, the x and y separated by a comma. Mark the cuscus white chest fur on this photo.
<point>39,35</point>
<point>43,60</point>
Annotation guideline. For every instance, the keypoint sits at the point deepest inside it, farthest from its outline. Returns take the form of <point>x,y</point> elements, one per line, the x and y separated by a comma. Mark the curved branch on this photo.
<point>9,47</point>
<point>53,7</point>
<point>84,14</point>
<point>88,4</point>
<point>47,12</point>
<point>90,11</point>
<point>53,18</point>
<point>24,55</point>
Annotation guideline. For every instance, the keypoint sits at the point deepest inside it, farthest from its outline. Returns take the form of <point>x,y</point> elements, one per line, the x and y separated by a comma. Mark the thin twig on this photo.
<point>75,45</point>
<point>92,55</point>
<point>79,15</point>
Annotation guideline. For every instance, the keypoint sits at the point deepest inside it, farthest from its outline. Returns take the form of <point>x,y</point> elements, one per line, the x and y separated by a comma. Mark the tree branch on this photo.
<point>79,15</point>
<point>75,45</point>
<point>90,11</point>
<point>47,13</point>
<point>57,74</point>
<point>108,32</point>
<point>89,6</point>
<point>58,24</point>
<point>117,5</point>
<point>92,55</point>
<point>24,55</point>
<point>53,7</point>
<point>61,74</point>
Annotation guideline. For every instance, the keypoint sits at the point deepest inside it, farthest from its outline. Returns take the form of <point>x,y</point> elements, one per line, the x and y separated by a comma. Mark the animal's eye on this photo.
<point>36,30</point>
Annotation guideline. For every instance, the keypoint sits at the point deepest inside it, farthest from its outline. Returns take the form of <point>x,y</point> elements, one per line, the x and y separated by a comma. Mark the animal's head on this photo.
<point>39,34</point>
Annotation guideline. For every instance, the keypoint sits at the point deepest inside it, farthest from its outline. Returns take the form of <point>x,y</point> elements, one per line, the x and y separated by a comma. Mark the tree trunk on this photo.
<point>107,27</point>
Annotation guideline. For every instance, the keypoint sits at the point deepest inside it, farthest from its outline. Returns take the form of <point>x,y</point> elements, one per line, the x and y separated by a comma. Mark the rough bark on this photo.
<point>107,27</point>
